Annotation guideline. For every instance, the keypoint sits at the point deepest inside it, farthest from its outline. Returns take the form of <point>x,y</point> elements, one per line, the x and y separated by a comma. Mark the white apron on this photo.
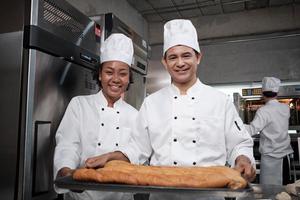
<point>268,173</point>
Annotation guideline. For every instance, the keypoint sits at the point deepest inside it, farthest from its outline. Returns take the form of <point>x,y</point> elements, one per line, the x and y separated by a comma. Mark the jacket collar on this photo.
<point>272,101</point>
<point>192,91</point>
<point>102,101</point>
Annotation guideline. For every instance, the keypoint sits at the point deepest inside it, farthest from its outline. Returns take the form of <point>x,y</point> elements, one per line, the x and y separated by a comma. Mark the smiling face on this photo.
<point>114,78</point>
<point>181,63</point>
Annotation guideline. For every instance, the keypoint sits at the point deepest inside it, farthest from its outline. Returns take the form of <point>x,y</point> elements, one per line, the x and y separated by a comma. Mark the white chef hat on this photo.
<point>271,84</point>
<point>180,32</point>
<point>117,47</point>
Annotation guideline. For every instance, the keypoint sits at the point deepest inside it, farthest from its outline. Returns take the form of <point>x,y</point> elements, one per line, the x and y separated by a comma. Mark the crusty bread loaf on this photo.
<point>195,177</point>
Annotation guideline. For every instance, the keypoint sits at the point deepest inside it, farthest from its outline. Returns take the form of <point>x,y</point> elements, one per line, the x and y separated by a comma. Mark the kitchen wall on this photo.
<point>239,47</point>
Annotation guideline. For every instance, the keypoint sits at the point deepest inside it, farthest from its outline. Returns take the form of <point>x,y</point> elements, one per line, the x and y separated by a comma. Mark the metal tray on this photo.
<point>69,183</point>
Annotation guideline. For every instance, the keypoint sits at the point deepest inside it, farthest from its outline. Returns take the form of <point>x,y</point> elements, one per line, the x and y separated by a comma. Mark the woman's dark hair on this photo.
<point>269,94</point>
<point>97,72</point>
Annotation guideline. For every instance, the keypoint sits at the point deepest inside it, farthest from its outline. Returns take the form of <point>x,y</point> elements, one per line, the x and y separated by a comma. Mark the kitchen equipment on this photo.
<point>49,58</point>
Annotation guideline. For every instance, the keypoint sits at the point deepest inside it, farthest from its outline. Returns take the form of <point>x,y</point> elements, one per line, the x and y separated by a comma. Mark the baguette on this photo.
<point>194,177</point>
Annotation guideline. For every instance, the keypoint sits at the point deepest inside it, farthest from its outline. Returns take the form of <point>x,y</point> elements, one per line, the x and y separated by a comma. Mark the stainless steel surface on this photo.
<point>137,91</point>
<point>35,90</point>
<point>52,84</point>
<point>61,19</point>
<point>10,81</point>
<point>69,183</point>
<point>253,191</point>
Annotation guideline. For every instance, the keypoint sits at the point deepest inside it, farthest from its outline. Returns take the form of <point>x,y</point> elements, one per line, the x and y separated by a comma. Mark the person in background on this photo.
<point>271,121</point>
<point>100,123</point>
<point>186,123</point>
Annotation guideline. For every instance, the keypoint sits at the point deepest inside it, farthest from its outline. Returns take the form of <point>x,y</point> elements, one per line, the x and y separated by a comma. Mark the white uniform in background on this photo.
<point>201,128</point>
<point>90,128</point>
<point>272,120</point>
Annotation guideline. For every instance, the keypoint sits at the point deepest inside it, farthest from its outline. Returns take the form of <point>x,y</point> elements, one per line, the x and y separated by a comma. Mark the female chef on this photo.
<point>100,123</point>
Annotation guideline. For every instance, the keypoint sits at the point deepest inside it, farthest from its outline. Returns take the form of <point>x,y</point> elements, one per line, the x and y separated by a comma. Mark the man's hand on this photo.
<point>244,166</point>
<point>65,171</point>
<point>100,161</point>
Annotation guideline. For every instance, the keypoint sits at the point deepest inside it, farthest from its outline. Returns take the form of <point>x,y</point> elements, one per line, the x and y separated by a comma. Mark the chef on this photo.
<point>187,123</point>
<point>272,122</point>
<point>100,123</point>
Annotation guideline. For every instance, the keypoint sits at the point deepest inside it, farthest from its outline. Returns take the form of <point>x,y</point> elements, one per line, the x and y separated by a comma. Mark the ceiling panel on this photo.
<point>153,18</point>
<point>171,15</point>
<point>190,13</point>
<point>140,5</point>
<point>249,5</point>
<point>160,3</point>
<point>203,3</point>
<point>162,10</point>
<point>212,10</point>
<point>233,7</point>
<point>182,2</point>
<point>280,2</point>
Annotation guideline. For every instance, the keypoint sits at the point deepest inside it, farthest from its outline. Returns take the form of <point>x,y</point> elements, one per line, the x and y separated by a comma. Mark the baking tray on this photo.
<point>69,183</point>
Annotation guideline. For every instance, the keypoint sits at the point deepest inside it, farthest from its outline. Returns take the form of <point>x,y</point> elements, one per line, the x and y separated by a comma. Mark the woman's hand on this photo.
<point>244,166</point>
<point>100,161</point>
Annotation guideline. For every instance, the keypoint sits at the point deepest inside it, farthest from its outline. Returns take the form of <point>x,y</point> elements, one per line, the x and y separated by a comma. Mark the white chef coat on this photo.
<point>90,128</point>
<point>272,120</point>
<point>201,128</point>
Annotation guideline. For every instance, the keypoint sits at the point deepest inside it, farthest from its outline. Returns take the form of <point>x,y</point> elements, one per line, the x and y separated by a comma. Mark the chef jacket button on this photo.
<point>175,97</point>
<point>194,141</point>
<point>102,109</point>
<point>175,117</point>
<point>175,140</point>
<point>193,98</point>
<point>194,163</point>
<point>175,163</point>
<point>117,144</point>
<point>99,143</point>
<point>193,118</point>
<point>117,127</point>
<point>102,124</point>
<point>118,112</point>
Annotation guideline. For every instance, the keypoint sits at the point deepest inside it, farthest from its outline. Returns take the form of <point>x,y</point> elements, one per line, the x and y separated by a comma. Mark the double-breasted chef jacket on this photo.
<point>90,128</point>
<point>201,128</point>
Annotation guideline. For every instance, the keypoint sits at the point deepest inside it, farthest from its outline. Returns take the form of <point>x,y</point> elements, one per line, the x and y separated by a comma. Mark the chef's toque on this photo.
<point>180,32</point>
<point>270,84</point>
<point>117,47</point>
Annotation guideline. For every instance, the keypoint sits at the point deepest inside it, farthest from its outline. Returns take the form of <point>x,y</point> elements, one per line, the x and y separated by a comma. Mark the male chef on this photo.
<point>186,123</point>
<point>272,122</point>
